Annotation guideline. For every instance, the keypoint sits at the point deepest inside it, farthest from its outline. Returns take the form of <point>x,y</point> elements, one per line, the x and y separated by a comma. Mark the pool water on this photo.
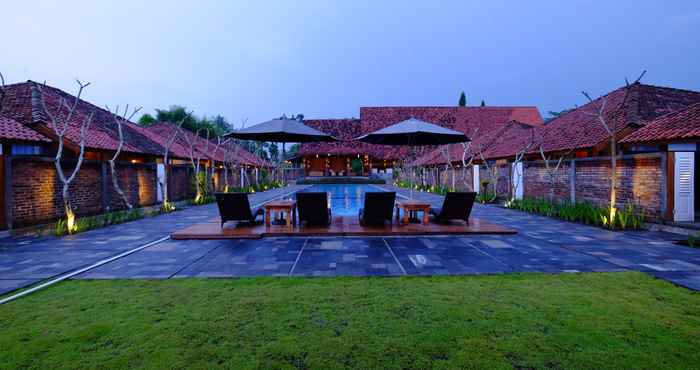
<point>346,199</point>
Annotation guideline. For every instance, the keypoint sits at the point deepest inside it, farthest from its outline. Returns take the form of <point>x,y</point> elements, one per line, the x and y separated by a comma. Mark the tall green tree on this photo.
<point>462,99</point>
<point>483,103</point>
<point>551,115</point>
<point>217,126</point>
<point>293,150</point>
<point>147,120</point>
<point>274,152</point>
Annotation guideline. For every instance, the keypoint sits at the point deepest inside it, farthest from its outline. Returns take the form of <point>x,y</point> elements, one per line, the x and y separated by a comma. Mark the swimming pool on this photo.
<point>346,199</point>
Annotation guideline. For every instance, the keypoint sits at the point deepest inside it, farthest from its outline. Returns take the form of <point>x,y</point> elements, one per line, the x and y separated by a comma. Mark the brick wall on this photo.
<point>536,180</point>
<point>36,190</point>
<point>639,181</point>
<point>500,175</point>
<point>180,182</point>
<point>462,179</point>
<point>137,181</point>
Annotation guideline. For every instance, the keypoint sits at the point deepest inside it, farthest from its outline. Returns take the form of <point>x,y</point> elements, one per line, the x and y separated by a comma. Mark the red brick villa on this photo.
<point>335,159</point>
<point>29,186</point>
<point>658,129</point>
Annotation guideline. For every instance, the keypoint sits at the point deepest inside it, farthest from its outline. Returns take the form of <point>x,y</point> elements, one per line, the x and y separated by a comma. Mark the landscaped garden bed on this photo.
<point>627,218</point>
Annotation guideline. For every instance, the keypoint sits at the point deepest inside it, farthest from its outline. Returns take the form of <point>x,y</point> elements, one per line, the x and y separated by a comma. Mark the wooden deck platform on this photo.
<point>341,226</point>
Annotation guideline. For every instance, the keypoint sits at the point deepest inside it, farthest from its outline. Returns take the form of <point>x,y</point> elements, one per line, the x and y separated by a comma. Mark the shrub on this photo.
<point>93,222</point>
<point>693,240</point>
<point>628,218</point>
<point>486,197</point>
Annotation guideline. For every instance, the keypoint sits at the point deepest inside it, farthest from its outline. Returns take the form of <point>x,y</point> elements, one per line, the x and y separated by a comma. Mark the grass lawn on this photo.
<point>601,320</point>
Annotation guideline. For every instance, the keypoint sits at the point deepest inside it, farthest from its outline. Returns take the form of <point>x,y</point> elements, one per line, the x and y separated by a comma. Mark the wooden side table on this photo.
<point>281,206</point>
<point>409,206</point>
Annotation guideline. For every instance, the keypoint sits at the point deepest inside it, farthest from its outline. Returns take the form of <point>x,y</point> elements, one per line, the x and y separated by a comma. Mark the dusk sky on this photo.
<point>325,59</point>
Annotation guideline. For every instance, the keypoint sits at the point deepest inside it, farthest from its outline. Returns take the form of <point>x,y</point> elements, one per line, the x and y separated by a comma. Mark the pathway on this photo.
<point>26,260</point>
<point>542,245</point>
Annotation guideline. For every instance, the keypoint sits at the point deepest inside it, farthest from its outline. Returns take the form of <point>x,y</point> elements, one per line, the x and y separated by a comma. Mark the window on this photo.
<point>21,149</point>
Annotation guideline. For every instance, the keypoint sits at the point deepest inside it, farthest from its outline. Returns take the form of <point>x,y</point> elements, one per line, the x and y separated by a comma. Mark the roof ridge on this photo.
<point>675,112</point>
<point>667,88</point>
<point>39,114</point>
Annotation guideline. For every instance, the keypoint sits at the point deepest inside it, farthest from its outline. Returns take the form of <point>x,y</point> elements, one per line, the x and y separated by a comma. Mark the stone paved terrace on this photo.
<point>26,260</point>
<point>541,245</point>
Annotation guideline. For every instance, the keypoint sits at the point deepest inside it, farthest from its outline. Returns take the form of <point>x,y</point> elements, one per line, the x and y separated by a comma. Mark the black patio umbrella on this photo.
<point>282,130</point>
<point>414,132</point>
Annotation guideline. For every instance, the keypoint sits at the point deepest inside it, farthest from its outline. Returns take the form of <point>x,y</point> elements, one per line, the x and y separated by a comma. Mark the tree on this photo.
<point>166,206</point>
<point>216,126</point>
<point>195,152</point>
<point>556,114</point>
<point>147,120</point>
<point>293,150</point>
<point>491,173</point>
<point>2,90</point>
<point>212,167</point>
<point>611,128</point>
<point>274,151</point>
<point>467,150</point>
<point>119,121</point>
<point>230,157</point>
<point>445,150</point>
<point>483,103</point>
<point>221,125</point>
<point>462,99</point>
<point>59,122</point>
<point>519,155</point>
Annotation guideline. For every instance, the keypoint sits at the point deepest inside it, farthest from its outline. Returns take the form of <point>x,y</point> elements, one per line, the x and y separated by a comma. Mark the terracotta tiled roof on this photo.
<point>679,125</point>
<point>342,129</point>
<point>23,103</point>
<point>13,130</point>
<point>578,129</point>
<point>464,119</point>
<point>501,142</point>
<point>180,148</point>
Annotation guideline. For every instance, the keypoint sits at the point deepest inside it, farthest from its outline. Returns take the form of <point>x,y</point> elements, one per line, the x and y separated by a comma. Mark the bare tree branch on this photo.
<point>2,90</point>
<point>60,125</point>
<point>611,129</point>
<point>119,120</point>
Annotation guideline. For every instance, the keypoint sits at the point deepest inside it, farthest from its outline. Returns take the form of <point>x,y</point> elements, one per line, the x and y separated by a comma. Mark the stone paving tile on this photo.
<point>443,256</point>
<point>687,279</point>
<point>542,245</point>
<point>644,256</point>
<point>9,285</point>
<point>530,255</point>
<point>160,261</point>
<point>42,265</point>
<point>236,258</point>
<point>348,256</point>
<point>33,257</point>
